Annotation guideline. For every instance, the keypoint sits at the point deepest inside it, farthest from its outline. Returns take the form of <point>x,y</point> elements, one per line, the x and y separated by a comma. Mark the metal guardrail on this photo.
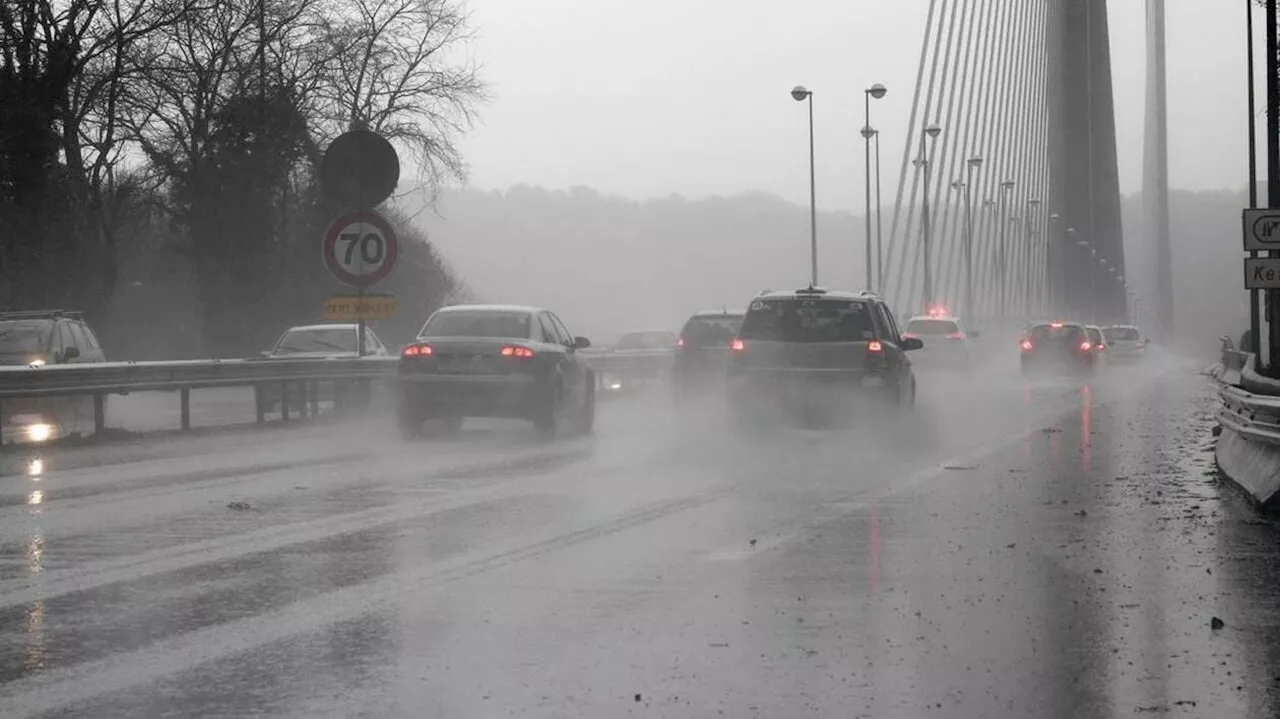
<point>349,376</point>
<point>1255,417</point>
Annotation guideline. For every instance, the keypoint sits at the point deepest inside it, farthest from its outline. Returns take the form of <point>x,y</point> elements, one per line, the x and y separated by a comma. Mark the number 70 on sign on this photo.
<point>360,248</point>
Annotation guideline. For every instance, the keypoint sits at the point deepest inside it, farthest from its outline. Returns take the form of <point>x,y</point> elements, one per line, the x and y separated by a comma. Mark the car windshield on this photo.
<point>317,340</point>
<point>711,331</point>
<point>646,341</point>
<point>478,323</point>
<point>19,337</point>
<point>932,327</point>
<point>808,320</point>
<point>1095,334</point>
<point>1120,334</point>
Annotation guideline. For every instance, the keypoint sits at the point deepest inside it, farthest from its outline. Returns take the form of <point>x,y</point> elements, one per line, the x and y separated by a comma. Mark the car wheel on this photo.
<point>546,419</point>
<point>451,425</point>
<point>588,419</point>
<point>410,423</point>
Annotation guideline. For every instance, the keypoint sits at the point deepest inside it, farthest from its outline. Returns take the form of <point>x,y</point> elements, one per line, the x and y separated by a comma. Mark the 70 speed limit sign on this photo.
<point>360,248</point>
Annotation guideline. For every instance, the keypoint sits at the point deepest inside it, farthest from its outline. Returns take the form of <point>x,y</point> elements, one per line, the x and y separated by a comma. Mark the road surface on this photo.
<point>1049,550</point>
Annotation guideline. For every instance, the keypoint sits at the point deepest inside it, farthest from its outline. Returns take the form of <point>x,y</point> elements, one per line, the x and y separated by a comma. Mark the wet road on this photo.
<point>1049,550</point>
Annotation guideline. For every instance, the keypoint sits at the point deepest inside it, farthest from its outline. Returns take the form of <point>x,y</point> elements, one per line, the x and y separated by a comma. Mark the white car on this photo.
<point>946,343</point>
<point>1124,342</point>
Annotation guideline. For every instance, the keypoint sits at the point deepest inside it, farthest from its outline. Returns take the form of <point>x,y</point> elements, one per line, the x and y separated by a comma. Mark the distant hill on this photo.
<point>608,264</point>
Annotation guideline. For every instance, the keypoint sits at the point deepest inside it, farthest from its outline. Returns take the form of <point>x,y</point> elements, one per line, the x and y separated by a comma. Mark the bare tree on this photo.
<point>397,70</point>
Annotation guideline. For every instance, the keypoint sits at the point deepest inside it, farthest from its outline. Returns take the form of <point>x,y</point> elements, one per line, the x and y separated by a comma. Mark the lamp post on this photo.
<point>799,93</point>
<point>971,165</point>
<point>1049,238</point>
<point>879,232</point>
<point>1028,227</point>
<point>877,91</point>
<point>1005,187</point>
<point>930,132</point>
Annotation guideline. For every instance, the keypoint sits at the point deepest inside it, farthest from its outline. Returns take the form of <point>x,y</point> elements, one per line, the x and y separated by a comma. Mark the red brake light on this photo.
<point>738,345</point>
<point>519,352</point>
<point>908,335</point>
<point>679,343</point>
<point>956,336</point>
<point>875,346</point>
<point>1086,346</point>
<point>1026,345</point>
<point>1055,325</point>
<point>417,351</point>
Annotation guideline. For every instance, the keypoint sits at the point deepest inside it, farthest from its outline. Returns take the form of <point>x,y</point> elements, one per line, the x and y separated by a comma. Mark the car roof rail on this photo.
<point>41,315</point>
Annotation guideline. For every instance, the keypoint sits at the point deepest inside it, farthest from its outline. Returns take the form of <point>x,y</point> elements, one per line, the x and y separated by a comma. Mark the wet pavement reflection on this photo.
<point>1052,549</point>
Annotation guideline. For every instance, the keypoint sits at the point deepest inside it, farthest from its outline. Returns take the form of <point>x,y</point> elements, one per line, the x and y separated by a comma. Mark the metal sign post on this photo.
<point>361,169</point>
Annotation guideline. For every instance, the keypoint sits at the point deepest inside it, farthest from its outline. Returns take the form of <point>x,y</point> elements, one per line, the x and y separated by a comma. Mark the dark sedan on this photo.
<point>1058,347</point>
<point>496,361</point>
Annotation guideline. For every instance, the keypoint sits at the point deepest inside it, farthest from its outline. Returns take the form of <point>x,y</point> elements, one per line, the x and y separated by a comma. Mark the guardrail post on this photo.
<point>315,399</point>
<point>284,401</point>
<point>99,414</point>
<point>185,392</point>
<point>260,403</point>
<point>304,398</point>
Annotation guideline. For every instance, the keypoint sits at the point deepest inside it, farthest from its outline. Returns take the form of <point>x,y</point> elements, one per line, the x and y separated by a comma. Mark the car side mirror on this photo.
<point>911,343</point>
<point>581,343</point>
<point>264,354</point>
<point>71,353</point>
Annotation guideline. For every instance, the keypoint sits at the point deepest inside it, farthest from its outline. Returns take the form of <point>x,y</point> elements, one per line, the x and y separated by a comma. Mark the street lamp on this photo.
<point>930,132</point>
<point>879,229</point>
<point>877,91</point>
<point>1093,289</point>
<point>1005,187</point>
<point>1032,204</point>
<point>799,93</point>
<point>1049,285</point>
<point>972,165</point>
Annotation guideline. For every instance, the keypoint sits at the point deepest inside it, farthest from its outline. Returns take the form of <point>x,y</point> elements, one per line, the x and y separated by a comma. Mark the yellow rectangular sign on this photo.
<point>349,308</point>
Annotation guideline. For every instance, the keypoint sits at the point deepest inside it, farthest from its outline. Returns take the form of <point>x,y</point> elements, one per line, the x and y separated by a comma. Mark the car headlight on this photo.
<point>36,362</point>
<point>39,432</point>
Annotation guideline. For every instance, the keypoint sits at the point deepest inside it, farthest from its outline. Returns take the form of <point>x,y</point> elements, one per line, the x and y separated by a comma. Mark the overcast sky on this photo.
<point>649,97</point>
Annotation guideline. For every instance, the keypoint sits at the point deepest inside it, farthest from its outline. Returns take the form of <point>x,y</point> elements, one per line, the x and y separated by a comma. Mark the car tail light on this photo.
<point>956,336</point>
<point>1142,344</point>
<point>517,351</point>
<point>1086,346</point>
<point>909,335</point>
<point>417,351</point>
<point>738,345</point>
<point>875,346</point>
<point>679,343</point>
<point>1027,346</point>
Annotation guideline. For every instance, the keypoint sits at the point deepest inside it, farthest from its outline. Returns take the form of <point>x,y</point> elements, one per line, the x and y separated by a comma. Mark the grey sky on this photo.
<point>649,97</point>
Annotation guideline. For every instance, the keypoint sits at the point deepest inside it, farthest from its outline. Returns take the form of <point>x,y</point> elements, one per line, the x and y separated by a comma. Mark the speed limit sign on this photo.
<point>360,248</point>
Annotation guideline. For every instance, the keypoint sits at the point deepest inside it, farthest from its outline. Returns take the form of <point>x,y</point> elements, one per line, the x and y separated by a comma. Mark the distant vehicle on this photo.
<point>496,361</point>
<point>637,359</point>
<point>702,351</point>
<point>1125,343</point>
<point>946,342</point>
<point>36,339</point>
<point>820,356</point>
<point>325,340</point>
<point>1057,346</point>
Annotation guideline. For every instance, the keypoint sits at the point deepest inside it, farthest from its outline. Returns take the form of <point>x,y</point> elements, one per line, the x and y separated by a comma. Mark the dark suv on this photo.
<point>818,356</point>
<point>702,351</point>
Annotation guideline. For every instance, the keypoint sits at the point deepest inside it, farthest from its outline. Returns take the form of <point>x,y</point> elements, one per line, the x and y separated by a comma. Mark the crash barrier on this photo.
<point>288,383</point>
<point>1248,448</point>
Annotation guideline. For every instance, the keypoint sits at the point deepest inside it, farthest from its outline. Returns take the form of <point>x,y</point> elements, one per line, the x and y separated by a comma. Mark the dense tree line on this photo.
<point>158,157</point>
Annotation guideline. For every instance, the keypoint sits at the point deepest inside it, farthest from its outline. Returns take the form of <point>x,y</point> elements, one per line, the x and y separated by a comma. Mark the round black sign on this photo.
<point>360,169</point>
